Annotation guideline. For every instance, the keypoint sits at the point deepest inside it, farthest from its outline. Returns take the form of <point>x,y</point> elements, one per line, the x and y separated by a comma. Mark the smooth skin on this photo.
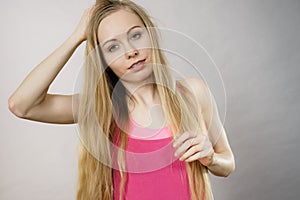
<point>33,102</point>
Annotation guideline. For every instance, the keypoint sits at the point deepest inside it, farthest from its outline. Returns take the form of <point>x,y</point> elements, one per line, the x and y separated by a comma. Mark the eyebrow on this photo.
<point>126,33</point>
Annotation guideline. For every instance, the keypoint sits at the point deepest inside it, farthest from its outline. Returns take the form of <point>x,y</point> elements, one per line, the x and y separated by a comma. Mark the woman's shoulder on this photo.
<point>198,87</point>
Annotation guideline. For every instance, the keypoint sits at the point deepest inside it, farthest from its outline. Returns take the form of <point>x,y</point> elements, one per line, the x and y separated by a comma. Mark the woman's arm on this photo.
<point>222,162</point>
<point>31,100</point>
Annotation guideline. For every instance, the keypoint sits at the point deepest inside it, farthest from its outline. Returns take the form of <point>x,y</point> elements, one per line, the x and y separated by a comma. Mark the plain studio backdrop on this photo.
<point>255,45</point>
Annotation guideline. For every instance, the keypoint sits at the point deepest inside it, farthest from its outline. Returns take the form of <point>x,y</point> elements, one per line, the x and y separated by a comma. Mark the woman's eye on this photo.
<point>136,36</point>
<point>113,48</point>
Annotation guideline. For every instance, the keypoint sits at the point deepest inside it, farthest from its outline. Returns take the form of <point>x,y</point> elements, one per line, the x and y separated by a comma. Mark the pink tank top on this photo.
<point>152,170</point>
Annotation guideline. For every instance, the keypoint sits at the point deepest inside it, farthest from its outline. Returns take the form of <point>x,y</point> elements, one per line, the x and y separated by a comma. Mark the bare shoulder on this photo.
<point>199,89</point>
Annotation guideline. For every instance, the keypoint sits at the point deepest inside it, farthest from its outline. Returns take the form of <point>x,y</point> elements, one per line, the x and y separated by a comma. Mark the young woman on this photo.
<point>126,76</point>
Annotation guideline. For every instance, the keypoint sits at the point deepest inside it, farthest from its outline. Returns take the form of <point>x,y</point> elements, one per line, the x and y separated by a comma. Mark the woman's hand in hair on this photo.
<point>80,30</point>
<point>194,145</point>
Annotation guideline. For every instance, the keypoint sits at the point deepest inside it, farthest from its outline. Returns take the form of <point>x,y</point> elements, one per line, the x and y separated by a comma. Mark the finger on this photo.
<point>194,157</point>
<point>196,145</point>
<point>199,155</point>
<point>186,145</point>
<point>182,138</point>
<point>193,150</point>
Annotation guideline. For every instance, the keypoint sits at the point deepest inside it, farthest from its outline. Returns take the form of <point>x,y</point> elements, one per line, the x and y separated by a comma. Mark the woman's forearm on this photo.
<point>222,164</point>
<point>35,86</point>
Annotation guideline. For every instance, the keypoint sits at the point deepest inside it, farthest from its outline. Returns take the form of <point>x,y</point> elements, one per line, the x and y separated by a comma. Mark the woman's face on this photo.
<point>125,41</point>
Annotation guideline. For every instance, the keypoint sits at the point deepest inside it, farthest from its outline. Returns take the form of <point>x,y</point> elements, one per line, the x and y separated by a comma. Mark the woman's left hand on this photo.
<point>194,145</point>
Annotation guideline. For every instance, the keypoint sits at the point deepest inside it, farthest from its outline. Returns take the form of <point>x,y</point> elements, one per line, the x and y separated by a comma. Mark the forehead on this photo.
<point>116,24</point>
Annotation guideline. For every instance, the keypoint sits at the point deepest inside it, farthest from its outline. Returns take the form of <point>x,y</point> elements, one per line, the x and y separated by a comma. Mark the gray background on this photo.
<point>256,47</point>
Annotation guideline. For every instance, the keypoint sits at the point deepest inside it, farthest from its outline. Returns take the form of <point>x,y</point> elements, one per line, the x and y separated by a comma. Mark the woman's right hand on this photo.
<point>80,30</point>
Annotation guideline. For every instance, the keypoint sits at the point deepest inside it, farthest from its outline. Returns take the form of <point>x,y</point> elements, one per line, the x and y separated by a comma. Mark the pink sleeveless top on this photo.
<point>152,170</point>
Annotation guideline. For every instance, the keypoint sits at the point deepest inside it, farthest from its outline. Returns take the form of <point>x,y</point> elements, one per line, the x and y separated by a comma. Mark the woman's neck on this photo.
<point>146,108</point>
<point>144,95</point>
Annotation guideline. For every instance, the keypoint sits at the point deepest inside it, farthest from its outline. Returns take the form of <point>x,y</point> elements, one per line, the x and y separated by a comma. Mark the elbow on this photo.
<point>229,171</point>
<point>231,167</point>
<point>14,108</point>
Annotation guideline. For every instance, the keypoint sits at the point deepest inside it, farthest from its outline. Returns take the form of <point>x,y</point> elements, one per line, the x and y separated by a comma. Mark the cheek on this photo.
<point>144,44</point>
<point>148,53</point>
<point>112,58</point>
<point>118,68</point>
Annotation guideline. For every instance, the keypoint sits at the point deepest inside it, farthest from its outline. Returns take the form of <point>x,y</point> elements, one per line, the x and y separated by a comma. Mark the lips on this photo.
<point>137,62</point>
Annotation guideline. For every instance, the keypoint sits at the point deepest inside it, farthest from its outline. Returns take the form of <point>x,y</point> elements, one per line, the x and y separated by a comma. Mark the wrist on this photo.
<point>77,38</point>
<point>213,160</point>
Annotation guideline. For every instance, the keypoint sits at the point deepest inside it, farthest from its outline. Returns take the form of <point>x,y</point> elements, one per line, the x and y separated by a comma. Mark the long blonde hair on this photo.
<point>97,107</point>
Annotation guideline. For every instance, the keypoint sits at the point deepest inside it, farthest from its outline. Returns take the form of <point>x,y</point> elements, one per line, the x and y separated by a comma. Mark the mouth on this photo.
<point>137,64</point>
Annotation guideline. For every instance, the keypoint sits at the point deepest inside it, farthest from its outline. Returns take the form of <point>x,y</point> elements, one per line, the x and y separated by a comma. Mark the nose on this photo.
<point>131,51</point>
